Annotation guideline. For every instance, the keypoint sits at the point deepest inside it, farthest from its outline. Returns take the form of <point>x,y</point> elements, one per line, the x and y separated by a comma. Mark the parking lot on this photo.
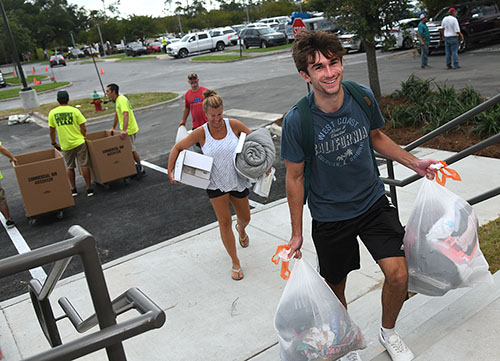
<point>129,217</point>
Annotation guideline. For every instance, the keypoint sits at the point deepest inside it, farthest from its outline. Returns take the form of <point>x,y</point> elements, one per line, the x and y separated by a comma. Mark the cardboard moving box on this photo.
<point>193,169</point>
<point>110,156</point>
<point>43,182</point>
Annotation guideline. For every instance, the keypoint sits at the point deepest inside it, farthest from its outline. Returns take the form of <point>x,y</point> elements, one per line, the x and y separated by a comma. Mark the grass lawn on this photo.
<point>489,240</point>
<point>29,79</point>
<point>219,58</point>
<point>13,93</point>
<point>260,50</point>
<point>136,100</point>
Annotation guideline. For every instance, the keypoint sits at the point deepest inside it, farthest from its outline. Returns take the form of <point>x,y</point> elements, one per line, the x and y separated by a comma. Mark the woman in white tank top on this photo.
<point>218,139</point>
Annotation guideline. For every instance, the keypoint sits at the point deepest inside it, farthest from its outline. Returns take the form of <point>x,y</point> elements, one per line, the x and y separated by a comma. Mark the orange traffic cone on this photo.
<point>33,71</point>
<point>47,69</point>
<point>15,75</point>
<point>102,71</point>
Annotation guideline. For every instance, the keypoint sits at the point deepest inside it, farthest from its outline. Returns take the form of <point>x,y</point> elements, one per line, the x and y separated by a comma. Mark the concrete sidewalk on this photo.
<point>210,317</point>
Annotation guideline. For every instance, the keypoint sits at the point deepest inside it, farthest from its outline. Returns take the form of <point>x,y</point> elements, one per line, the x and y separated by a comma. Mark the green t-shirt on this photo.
<point>66,120</point>
<point>123,105</point>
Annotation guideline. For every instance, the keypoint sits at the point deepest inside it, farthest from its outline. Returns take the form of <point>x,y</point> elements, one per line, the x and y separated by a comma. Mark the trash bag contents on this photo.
<point>441,244</point>
<point>312,324</point>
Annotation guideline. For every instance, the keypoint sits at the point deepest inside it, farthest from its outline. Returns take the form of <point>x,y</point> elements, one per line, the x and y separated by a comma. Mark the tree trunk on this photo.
<point>371,59</point>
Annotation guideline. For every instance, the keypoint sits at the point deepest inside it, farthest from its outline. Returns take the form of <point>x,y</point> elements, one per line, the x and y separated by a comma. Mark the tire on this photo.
<point>361,47</point>
<point>64,64</point>
<point>183,53</point>
<point>246,44</point>
<point>220,46</point>
<point>263,44</point>
<point>407,44</point>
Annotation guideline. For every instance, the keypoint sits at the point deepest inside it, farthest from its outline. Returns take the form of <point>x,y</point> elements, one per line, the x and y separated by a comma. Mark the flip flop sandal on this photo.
<point>238,271</point>
<point>245,241</point>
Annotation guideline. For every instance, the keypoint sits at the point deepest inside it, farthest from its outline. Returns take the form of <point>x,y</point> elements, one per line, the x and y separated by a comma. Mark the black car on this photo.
<point>135,48</point>
<point>75,53</point>
<point>263,37</point>
<point>479,21</point>
<point>3,84</point>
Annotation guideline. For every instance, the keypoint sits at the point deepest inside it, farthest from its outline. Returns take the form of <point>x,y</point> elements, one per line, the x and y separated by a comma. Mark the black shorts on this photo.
<point>337,246</point>
<point>217,193</point>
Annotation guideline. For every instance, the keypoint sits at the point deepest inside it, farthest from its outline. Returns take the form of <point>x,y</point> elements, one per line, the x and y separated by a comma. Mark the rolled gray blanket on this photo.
<point>257,156</point>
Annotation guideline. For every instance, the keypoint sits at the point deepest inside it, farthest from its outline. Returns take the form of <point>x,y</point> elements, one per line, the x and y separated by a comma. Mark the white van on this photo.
<point>275,20</point>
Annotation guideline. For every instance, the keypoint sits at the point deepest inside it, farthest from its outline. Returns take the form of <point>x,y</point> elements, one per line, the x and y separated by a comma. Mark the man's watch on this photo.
<point>53,143</point>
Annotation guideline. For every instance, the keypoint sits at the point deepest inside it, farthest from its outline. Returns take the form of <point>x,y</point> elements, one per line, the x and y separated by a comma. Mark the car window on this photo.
<point>191,39</point>
<point>263,31</point>
<point>484,10</point>
<point>185,39</point>
<point>202,36</point>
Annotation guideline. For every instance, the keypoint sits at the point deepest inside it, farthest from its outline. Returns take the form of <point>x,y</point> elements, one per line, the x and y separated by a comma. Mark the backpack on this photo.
<point>361,97</point>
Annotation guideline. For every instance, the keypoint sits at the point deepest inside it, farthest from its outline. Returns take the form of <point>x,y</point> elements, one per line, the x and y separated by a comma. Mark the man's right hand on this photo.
<point>295,246</point>
<point>182,123</point>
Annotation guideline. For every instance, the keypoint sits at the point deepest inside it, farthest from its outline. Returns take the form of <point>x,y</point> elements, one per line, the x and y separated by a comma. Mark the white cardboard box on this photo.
<point>193,169</point>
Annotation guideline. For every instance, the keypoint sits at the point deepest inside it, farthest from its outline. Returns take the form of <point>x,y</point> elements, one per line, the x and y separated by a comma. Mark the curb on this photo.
<point>42,92</point>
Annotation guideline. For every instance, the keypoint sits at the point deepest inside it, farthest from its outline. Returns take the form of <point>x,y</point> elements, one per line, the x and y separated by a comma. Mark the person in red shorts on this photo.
<point>193,100</point>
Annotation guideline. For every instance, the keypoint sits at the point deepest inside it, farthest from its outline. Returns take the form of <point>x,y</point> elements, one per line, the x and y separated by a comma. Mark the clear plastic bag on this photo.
<point>441,244</point>
<point>311,322</point>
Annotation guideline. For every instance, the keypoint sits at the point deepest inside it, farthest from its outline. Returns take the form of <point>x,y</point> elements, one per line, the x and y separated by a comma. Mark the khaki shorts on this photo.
<point>80,153</point>
<point>132,141</point>
<point>3,201</point>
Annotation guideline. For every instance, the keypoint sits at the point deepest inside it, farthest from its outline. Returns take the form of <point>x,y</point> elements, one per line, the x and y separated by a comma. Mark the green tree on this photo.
<point>366,19</point>
<point>140,27</point>
<point>433,6</point>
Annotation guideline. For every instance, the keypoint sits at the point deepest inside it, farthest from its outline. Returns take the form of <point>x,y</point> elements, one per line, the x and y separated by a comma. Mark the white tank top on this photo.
<point>223,175</point>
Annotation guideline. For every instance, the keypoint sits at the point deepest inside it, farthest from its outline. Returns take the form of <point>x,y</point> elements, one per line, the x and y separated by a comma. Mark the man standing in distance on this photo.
<point>193,103</point>
<point>450,30</point>
<point>346,196</point>
<point>69,124</point>
<point>128,125</point>
<point>424,38</point>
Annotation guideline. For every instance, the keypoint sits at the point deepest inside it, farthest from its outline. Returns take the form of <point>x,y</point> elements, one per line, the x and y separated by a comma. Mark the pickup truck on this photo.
<point>197,42</point>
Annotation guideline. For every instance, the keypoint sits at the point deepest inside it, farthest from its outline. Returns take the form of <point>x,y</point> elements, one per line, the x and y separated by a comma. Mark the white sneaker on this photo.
<point>351,356</point>
<point>396,347</point>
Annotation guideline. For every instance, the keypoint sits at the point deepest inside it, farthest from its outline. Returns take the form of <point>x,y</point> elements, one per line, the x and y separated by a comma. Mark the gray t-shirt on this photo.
<point>344,182</point>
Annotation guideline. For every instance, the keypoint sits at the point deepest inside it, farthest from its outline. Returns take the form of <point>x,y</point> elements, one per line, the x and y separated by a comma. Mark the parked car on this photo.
<point>318,23</point>
<point>405,32</point>
<point>135,49</point>
<point>263,37</point>
<point>239,27</point>
<point>275,20</point>
<point>154,47</point>
<point>351,42</point>
<point>75,53</point>
<point>197,42</point>
<point>3,84</point>
<point>479,21</point>
<point>233,35</point>
<point>57,60</point>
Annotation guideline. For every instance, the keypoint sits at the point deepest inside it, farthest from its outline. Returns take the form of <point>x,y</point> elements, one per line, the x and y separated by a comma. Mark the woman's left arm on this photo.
<point>238,127</point>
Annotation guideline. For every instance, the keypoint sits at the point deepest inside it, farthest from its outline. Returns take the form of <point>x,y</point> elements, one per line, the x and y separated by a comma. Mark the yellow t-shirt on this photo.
<point>123,105</point>
<point>66,120</point>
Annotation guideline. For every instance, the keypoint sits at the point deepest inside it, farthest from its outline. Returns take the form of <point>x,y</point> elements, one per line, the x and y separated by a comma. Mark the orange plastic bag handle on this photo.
<point>285,272</point>
<point>451,174</point>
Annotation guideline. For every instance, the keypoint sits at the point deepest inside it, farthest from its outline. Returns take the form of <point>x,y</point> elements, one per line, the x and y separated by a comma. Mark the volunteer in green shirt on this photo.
<point>128,125</point>
<point>424,38</point>
<point>4,208</point>
<point>69,124</point>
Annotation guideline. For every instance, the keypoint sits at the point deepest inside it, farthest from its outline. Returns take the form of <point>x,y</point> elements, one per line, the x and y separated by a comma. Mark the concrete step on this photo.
<point>425,321</point>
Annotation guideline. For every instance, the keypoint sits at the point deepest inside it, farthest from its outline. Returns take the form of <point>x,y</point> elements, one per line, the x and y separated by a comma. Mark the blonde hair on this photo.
<point>212,100</point>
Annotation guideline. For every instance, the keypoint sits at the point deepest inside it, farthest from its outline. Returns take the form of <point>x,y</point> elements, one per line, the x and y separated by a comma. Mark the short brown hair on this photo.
<point>212,100</point>
<point>310,42</point>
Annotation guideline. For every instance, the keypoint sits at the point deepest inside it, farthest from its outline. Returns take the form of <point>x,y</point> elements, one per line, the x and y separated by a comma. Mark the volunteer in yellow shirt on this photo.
<point>128,125</point>
<point>69,124</point>
<point>4,208</point>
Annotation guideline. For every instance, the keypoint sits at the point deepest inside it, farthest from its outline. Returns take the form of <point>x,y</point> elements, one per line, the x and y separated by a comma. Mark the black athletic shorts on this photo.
<point>217,193</point>
<point>337,247</point>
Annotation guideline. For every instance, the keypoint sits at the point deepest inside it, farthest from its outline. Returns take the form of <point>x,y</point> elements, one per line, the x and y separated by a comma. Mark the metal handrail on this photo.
<point>110,336</point>
<point>393,183</point>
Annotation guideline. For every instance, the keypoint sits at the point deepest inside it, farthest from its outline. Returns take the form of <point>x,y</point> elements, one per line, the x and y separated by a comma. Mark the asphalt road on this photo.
<point>129,217</point>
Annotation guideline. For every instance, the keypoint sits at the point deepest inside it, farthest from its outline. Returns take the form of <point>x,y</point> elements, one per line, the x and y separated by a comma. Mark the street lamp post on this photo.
<point>180,25</point>
<point>72,39</point>
<point>27,95</point>
<point>100,36</point>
